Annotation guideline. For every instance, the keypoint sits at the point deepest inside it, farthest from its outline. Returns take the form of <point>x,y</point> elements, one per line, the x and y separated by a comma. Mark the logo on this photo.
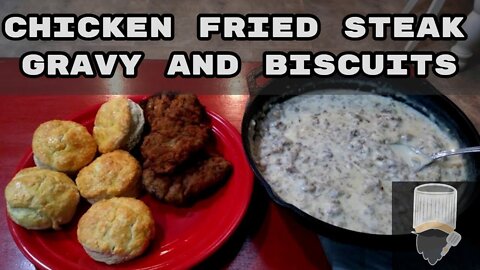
<point>434,220</point>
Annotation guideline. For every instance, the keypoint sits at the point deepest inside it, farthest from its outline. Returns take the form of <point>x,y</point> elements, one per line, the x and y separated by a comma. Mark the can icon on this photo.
<point>435,207</point>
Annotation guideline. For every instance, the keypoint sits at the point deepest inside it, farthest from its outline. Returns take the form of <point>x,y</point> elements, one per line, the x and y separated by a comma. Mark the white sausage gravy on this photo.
<point>330,155</point>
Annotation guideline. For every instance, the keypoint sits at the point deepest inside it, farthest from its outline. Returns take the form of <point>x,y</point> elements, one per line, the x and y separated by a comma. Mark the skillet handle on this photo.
<point>252,78</point>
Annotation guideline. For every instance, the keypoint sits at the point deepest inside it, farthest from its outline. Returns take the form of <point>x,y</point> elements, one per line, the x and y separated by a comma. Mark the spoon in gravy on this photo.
<point>418,160</point>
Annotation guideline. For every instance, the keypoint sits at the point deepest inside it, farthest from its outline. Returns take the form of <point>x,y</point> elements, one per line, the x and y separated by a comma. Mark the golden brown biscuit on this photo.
<point>114,174</point>
<point>116,230</point>
<point>112,124</point>
<point>118,125</point>
<point>41,199</point>
<point>63,146</point>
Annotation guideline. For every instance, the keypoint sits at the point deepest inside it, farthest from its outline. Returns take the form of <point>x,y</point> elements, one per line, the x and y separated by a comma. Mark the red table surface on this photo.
<point>268,237</point>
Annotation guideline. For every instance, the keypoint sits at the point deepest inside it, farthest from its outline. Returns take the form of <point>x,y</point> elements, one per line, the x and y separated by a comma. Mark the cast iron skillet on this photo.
<point>417,93</point>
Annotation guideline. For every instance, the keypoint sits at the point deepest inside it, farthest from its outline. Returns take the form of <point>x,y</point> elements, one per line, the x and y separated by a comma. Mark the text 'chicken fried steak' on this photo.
<point>181,187</point>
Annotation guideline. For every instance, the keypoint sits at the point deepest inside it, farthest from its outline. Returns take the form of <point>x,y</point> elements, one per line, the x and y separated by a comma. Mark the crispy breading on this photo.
<point>170,111</point>
<point>163,151</point>
<point>156,107</point>
<point>179,128</point>
<point>176,170</point>
<point>184,186</point>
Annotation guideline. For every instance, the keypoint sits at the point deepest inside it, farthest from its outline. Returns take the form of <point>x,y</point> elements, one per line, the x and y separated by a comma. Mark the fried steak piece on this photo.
<point>179,128</point>
<point>183,186</point>
<point>176,168</point>
<point>172,112</point>
<point>164,151</point>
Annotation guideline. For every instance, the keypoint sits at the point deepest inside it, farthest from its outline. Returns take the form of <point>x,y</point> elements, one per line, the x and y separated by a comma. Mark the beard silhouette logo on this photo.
<point>430,244</point>
<point>434,220</point>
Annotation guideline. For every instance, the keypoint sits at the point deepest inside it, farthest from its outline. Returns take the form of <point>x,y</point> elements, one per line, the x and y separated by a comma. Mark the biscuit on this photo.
<point>118,125</point>
<point>63,146</point>
<point>41,199</point>
<point>114,174</point>
<point>116,230</point>
<point>136,129</point>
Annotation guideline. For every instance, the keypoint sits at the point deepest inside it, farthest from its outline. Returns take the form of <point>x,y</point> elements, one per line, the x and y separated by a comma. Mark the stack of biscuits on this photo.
<point>117,227</point>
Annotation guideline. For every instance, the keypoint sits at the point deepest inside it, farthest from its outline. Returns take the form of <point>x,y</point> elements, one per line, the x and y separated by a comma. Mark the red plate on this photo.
<point>184,236</point>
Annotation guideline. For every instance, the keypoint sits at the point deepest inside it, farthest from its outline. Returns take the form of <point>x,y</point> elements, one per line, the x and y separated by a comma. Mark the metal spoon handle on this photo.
<point>447,153</point>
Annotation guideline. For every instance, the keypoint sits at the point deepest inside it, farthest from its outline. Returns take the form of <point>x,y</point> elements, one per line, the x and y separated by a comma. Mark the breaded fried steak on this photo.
<point>170,111</point>
<point>163,151</point>
<point>179,128</point>
<point>175,168</point>
<point>184,186</point>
